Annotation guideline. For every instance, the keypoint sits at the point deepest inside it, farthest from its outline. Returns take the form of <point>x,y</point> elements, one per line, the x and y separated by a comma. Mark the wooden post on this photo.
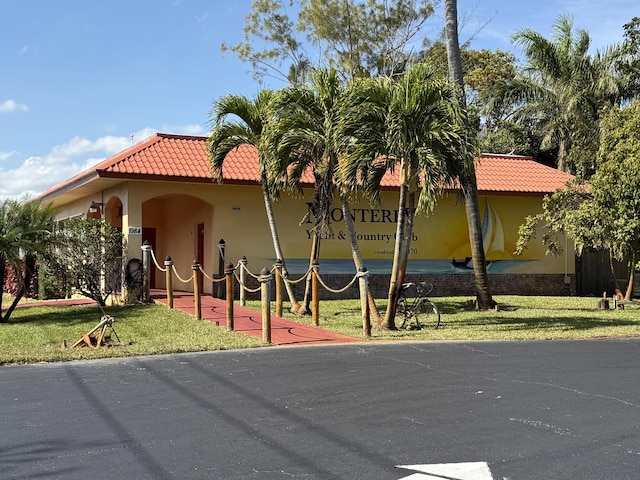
<point>603,304</point>
<point>315,294</point>
<point>196,289</point>
<point>228,272</point>
<point>278,269</point>
<point>146,272</point>
<point>364,302</point>
<point>265,291</point>
<point>168,264</point>
<point>243,281</point>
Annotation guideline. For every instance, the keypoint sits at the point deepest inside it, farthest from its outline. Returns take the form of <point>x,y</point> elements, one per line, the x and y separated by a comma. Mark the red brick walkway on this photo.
<point>283,332</point>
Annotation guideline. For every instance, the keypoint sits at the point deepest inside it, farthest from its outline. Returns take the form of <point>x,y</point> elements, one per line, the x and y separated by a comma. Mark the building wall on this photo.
<point>236,215</point>
<point>437,238</point>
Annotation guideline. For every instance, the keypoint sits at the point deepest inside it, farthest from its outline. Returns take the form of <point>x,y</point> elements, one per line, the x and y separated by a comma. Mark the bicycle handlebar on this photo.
<point>420,288</point>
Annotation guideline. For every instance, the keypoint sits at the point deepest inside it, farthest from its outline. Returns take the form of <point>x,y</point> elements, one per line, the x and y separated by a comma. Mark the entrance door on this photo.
<point>200,252</point>
<point>149,235</point>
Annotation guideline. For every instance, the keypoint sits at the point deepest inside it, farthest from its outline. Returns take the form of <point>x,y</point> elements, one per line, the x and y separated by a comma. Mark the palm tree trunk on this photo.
<point>562,153</point>
<point>631,264</point>
<point>396,276</point>
<point>3,273</point>
<point>357,258</point>
<point>478,260</point>
<point>453,47</point>
<point>295,306</point>
<point>322,199</point>
<point>616,284</point>
<point>469,183</point>
<point>305,308</point>
<point>29,269</point>
<point>408,233</point>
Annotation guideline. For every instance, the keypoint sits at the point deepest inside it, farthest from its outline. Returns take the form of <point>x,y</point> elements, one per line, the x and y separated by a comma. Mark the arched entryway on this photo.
<point>179,226</point>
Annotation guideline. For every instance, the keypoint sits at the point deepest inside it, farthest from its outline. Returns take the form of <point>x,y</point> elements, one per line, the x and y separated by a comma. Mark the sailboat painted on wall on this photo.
<point>492,238</point>
<point>492,231</point>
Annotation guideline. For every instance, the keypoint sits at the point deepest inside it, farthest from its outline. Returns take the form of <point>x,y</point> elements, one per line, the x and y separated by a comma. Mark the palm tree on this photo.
<point>468,180</point>
<point>563,87</point>
<point>27,234</point>
<point>226,135</point>
<point>308,136</point>
<point>9,239</point>
<point>411,123</point>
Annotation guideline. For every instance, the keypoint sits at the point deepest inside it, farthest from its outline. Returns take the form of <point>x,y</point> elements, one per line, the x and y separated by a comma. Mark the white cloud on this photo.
<point>12,106</point>
<point>193,129</point>
<point>7,155</point>
<point>37,174</point>
<point>77,146</point>
<point>23,50</point>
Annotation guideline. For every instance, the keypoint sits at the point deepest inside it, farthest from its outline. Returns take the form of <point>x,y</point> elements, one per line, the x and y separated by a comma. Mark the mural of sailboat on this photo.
<point>492,238</point>
<point>492,231</point>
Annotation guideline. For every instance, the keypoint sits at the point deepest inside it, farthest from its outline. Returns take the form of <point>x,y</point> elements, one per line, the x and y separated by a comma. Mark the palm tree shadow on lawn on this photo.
<point>64,316</point>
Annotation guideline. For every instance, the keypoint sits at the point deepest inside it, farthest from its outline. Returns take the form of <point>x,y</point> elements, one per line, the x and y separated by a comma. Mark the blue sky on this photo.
<point>81,79</point>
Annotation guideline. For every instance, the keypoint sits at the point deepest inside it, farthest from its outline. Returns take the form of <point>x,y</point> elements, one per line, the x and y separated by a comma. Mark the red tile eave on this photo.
<point>160,178</point>
<point>456,190</point>
<point>74,182</point>
<point>494,193</point>
<point>181,158</point>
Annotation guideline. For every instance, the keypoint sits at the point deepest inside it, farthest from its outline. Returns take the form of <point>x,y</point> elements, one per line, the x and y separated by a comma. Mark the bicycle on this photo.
<point>418,310</point>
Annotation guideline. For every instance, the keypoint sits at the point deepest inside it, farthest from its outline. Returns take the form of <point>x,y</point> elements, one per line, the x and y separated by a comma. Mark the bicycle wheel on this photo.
<point>428,315</point>
<point>403,313</point>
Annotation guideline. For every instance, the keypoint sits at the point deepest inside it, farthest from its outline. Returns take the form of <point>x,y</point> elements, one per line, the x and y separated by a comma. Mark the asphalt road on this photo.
<point>531,410</point>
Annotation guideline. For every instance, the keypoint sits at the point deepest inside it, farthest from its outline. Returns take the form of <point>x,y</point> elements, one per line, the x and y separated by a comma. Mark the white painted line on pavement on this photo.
<point>449,471</point>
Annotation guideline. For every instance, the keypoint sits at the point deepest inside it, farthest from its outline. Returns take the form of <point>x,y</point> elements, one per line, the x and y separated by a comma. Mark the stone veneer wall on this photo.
<point>444,285</point>
<point>461,285</point>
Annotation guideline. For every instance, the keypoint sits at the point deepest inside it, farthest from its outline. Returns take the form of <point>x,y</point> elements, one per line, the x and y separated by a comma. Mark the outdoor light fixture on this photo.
<point>93,208</point>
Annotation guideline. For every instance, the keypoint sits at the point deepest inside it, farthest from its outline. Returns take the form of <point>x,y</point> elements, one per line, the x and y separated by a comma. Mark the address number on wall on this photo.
<point>135,230</point>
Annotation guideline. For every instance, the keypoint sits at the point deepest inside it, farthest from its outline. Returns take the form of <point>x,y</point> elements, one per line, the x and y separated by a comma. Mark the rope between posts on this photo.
<point>343,289</point>
<point>244,267</point>
<point>293,282</point>
<point>244,287</point>
<point>259,278</point>
<point>214,280</point>
<point>179,277</point>
<point>153,255</point>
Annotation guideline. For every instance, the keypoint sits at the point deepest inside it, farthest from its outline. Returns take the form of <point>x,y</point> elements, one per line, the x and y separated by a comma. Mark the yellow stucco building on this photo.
<point>161,190</point>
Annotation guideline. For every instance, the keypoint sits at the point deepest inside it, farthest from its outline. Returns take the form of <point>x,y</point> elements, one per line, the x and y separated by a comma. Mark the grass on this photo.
<point>36,334</point>
<point>519,318</point>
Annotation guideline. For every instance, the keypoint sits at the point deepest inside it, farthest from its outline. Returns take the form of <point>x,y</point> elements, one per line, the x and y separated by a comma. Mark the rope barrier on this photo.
<point>343,289</point>
<point>293,282</point>
<point>153,256</point>
<point>259,278</point>
<point>179,277</point>
<point>214,280</point>
<point>244,267</point>
<point>243,285</point>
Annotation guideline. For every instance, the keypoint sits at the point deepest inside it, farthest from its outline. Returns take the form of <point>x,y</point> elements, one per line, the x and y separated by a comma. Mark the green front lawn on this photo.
<point>518,318</point>
<point>36,334</point>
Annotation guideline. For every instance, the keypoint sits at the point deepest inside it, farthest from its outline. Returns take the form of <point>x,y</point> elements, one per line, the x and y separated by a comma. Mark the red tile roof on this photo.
<point>184,159</point>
